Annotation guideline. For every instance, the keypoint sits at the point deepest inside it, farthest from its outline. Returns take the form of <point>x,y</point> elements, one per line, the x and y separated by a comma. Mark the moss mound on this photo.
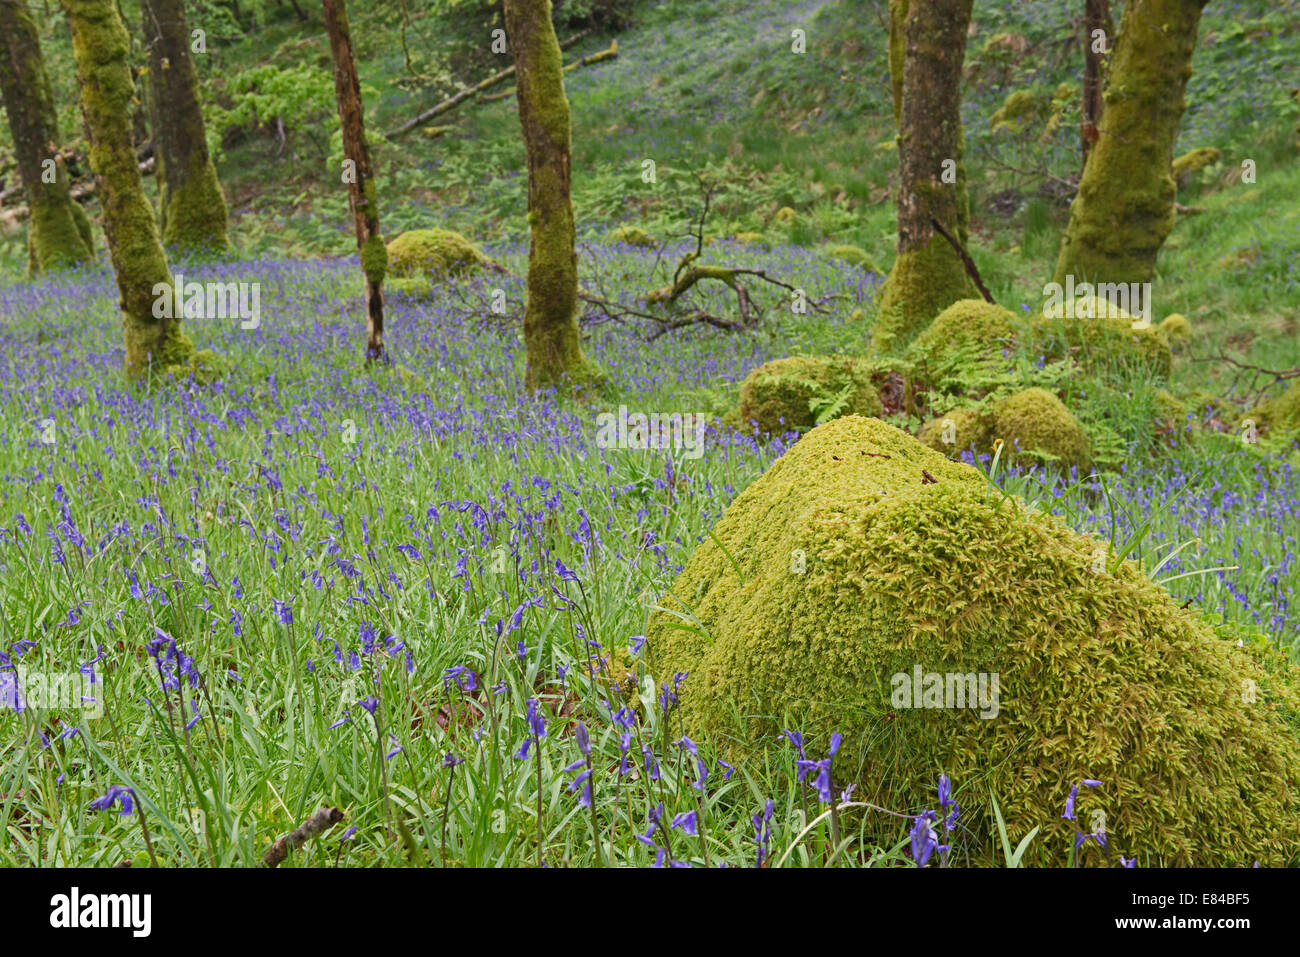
<point>632,236</point>
<point>971,328</point>
<point>1034,422</point>
<point>779,395</point>
<point>1101,675</point>
<point>1100,335</point>
<point>432,253</point>
<point>749,239</point>
<point>1278,419</point>
<point>956,431</point>
<point>1176,330</point>
<point>1021,109</point>
<point>854,256</point>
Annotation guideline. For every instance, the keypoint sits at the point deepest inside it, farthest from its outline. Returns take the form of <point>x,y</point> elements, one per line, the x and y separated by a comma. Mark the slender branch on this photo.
<point>966,260</point>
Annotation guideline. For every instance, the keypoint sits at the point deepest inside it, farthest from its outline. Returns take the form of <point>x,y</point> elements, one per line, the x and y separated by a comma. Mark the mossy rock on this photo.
<point>1176,330</point>
<point>632,236</point>
<point>956,431</point>
<point>971,328</point>
<point>861,556</point>
<point>777,396</point>
<point>434,254</point>
<point>854,256</point>
<point>749,239</point>
<point>1278,418</point>
<point>1188,165</point>
<point>785,214</point>
<point>1095,338</point>
<point>1034,422</point>
<point>1020,110</point>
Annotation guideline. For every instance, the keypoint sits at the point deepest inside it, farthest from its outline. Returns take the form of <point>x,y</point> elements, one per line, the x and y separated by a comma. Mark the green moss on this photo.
<point>632,236</point>
<point>971,328</point>
<point>1097,343</point>
<point>432,253</point>
<point>1020,110</point>
<point>374,259</point>
<point>854,256</point>
<point>1176,330</point>
<point>1034,426</point>
<point>956,431</point>
<point>1100,675</point>
<point>785,215</point>
<point>417,287</point>
<point>194,213</point>
<point>897,55</point>
<point>777,396</point>
<point>84,228</point>
<point>922,283</point>
<point>749,239</point>
<point>1189,164</point>
<point>1278,418</point>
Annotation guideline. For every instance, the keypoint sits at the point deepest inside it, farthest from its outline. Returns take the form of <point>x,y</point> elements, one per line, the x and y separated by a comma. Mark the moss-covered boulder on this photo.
<point>632,236</point>
<point>781,395</point>
<point>785,215</point>
<point>956,431</point>
<point>862,559</point>
<point>1278,419</point>
<point>1176,330</point>
<point>1101,335</point>
<point>749,239</point>
<point>968,329</point>
<point>1021,110</point>
<point>854,256</point>
<point>433,254</point>
<point>1035,425</point>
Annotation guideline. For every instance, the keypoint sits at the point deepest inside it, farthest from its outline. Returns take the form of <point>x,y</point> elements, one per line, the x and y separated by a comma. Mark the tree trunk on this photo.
<point>928,274</point>
<point>360,177</point>
<point>59,233</point>
<point>192,210</point>
<point>101,48</point>
<point>1125,206</point>
<point>897,54</point>
<point>551,338</point>
<point>1096,16</point>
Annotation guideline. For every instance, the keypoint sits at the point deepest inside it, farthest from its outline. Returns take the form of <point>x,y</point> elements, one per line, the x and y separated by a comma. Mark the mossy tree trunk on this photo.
<point>101,48</point>
<point>554,352</point>
<point>1125,206</point>
<point>58,231</point>
<point>192,210</point>
<point>928,274</point>
<point>359,175</point>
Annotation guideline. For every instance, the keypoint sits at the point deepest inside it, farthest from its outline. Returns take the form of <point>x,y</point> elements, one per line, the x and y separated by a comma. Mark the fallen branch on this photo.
<point>966,260</point>
<point>320,822</point>
<point>471,91</point>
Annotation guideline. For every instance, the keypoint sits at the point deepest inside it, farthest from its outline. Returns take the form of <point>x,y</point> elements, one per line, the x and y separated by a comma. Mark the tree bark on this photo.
<point>360,178</point>
<point>928,274</point>
<point>1125,206</point>
<point>59,232</point>
<point>101,48</point>
<point>554,352</point>
<point>192,211</point>
<point>1096,16</point>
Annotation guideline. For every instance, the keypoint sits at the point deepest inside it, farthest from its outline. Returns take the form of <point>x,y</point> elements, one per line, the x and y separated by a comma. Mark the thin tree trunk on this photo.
<point>192,210</point>
<point>1125,206</point>
<point>1096,17</point>
<point>360,176</point>
<point>100,47</point>
<point>554,351</point>
<point>59,232</point>
<point>928,274</point>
